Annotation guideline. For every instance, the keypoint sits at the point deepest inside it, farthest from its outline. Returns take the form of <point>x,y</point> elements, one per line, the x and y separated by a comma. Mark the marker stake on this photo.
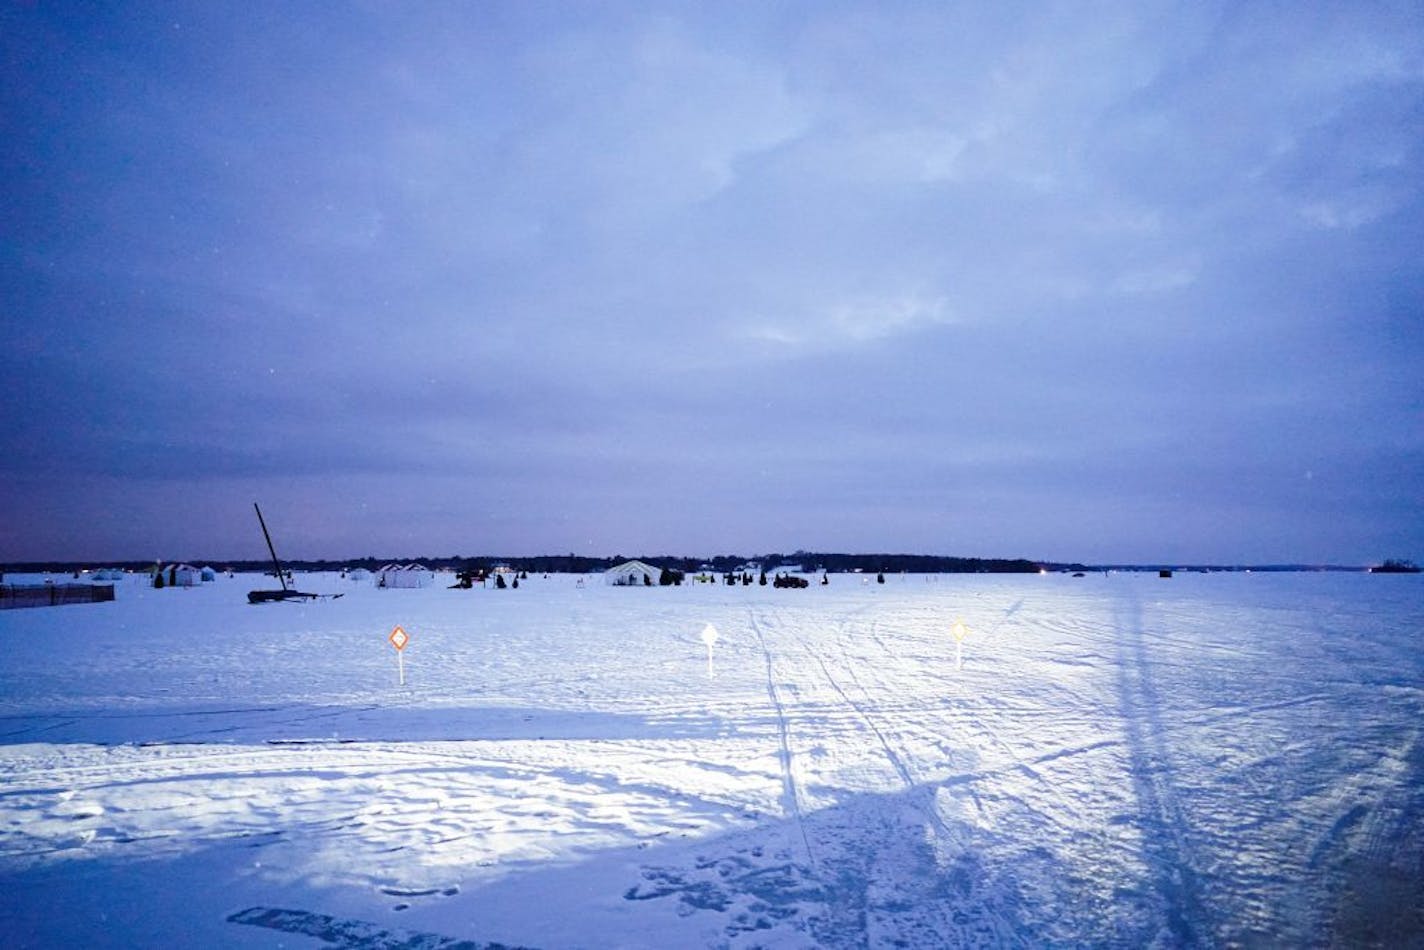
<point>399,638</point>
<point>959,631</point>
<point>709,637</point>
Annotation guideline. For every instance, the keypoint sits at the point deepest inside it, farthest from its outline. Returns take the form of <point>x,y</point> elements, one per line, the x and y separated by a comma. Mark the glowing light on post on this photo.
<point>960,632</point>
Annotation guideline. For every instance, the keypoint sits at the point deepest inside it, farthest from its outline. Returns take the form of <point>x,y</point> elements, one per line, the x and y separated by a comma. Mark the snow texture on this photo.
<point>1123,760</point>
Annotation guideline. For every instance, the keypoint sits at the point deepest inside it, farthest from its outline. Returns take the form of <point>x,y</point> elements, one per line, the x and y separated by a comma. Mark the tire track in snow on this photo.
<point>1373,848</point>
<point>875,637</point>
<point>919,797</point>
<point>896,758</point>
<point>971,863</point>
<point>896,761</point>
<point>1244,712</point>
<point>790,797</point>
<point>967,778</point>
<point>1162,819</point>
<point>878,845</point>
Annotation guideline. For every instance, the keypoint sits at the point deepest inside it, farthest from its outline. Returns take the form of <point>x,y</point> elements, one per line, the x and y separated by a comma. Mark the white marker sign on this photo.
<point>709,637</point>
<point>960,632</point>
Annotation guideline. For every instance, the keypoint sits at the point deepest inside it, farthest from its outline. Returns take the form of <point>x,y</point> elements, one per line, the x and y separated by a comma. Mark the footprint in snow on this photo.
<point>75,811</point>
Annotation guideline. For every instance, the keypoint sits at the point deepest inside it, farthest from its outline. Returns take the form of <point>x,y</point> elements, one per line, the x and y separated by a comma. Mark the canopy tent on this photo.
<point>182,575</point>
<point>404,575</point>
<point>632,574</point>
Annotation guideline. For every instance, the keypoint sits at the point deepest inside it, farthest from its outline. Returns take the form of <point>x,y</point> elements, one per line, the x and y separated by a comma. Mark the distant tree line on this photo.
<point>578,564</point>
<point>910,564</point>
<point>805,561</point>
<point>1396,566</point>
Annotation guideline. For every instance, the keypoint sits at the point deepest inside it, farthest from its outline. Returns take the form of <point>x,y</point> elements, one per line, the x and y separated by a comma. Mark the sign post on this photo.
<point>959,631</point>
<point>399,638</point>
<point>709,637</point>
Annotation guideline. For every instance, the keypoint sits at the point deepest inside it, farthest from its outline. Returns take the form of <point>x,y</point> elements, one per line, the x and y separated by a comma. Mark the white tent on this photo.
<point>632,574</point>
<point>182,575</point>
<point>359,574</point>
<point>404,575</point>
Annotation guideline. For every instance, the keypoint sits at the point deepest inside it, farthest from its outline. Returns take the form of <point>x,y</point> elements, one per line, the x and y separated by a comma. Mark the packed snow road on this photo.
<point>1119,760</point>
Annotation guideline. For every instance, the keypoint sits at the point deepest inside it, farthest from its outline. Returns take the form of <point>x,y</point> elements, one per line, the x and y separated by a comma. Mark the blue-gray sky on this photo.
<point>1099,282</point>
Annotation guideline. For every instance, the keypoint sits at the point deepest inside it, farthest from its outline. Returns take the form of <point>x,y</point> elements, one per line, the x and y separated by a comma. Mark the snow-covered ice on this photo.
<point>1122,760</point>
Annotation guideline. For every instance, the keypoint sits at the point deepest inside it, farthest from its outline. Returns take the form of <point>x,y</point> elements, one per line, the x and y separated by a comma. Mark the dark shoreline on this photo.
<point>803,561</point>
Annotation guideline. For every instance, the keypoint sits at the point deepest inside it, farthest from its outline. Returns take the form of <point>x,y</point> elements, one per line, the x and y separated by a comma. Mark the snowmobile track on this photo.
<point>791,799</point>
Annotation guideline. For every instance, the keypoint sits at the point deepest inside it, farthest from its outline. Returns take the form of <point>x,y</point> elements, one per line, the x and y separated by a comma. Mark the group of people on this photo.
<point>732,579</point>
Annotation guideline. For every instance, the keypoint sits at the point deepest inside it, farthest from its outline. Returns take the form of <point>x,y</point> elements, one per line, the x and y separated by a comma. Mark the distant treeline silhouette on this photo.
<point>722,564</point>
<point>578,564</point>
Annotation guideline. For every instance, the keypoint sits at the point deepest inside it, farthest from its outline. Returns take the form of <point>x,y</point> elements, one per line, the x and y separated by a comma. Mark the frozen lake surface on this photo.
<point>1122,760</point>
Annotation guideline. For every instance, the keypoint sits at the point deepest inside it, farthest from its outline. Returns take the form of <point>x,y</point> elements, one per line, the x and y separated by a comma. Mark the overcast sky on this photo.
<point>1097,282</point>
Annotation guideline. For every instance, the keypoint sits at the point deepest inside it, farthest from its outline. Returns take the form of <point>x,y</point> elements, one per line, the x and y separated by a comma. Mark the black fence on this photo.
<point>52,595</point>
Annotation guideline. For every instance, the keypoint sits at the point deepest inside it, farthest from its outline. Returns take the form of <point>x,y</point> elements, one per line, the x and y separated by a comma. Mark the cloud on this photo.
<point>853,322</point>
<point>1155,281</point>
<point>865,262</point>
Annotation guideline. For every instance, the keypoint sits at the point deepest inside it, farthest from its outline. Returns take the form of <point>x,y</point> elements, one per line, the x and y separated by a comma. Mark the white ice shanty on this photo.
<point>633,574</point>
<point>404,575</point>
<point>181,575</point>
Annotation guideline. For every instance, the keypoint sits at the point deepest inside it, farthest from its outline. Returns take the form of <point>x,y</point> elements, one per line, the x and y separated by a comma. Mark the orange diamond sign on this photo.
<point>399,638</point>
